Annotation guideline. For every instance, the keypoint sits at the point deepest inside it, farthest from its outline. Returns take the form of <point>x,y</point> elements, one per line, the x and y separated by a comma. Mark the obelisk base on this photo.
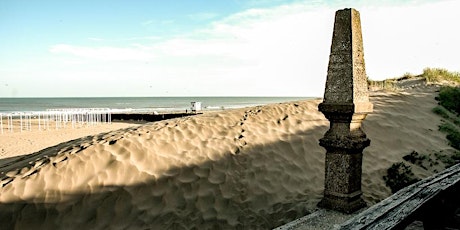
<point>342,188</point>
<point>347,203</point>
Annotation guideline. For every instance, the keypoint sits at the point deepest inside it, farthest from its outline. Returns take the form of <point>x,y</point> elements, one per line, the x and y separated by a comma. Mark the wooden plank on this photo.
<point>399,209</point>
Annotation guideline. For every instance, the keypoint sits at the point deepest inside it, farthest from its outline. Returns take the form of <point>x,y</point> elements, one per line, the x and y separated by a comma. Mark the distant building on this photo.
<point>196,106</point>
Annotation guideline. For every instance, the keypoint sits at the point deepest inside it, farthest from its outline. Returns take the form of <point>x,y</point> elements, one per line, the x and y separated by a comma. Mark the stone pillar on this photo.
<point>345,105</point>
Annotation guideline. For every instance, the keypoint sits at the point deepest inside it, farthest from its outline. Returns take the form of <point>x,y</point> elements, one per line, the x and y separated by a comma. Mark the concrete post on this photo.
<point>345,105</point>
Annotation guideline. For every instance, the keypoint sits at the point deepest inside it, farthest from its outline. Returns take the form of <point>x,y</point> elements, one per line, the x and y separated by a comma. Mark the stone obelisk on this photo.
<point>345,105</point>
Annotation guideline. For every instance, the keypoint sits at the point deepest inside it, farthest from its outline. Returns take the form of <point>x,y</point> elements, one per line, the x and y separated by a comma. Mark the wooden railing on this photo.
<point>435,201</point>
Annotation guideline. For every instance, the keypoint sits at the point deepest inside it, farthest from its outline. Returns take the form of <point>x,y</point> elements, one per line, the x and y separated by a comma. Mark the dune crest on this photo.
<point>247,168</point>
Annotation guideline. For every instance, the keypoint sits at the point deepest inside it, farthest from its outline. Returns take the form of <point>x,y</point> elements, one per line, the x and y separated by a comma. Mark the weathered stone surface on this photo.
<point>345,105</point>
<point>346,77</point>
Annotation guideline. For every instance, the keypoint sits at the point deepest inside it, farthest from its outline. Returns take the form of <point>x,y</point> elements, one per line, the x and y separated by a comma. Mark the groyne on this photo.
<point>150,117</point>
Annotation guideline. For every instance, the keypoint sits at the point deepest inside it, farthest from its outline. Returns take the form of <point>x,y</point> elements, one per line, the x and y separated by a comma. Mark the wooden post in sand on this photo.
<point>10,123</point>
<point>1,123</point>
<point>345,105</point>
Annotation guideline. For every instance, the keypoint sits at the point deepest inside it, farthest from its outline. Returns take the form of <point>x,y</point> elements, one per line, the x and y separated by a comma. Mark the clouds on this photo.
<point>278,51</point>
<point>203,16</point>
<point>157,22</point>
<point>103,53</point>
<point>255,52</point>
<point>267,52</point>
<point>409,38</point>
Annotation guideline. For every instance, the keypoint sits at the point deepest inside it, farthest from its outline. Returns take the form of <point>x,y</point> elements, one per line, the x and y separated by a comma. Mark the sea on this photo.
<point>140,104</point>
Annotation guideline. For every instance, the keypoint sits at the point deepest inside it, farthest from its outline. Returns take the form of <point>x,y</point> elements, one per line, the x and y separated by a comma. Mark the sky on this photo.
<point>102,48</point>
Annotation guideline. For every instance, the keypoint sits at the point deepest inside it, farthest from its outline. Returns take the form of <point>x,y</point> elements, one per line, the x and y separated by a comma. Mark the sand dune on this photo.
<point>20,143</point>
<point>252,168</point>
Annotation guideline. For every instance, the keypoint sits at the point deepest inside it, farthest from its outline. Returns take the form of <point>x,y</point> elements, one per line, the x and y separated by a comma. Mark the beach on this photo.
<point>18,143</point>
<point>248,168</point>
